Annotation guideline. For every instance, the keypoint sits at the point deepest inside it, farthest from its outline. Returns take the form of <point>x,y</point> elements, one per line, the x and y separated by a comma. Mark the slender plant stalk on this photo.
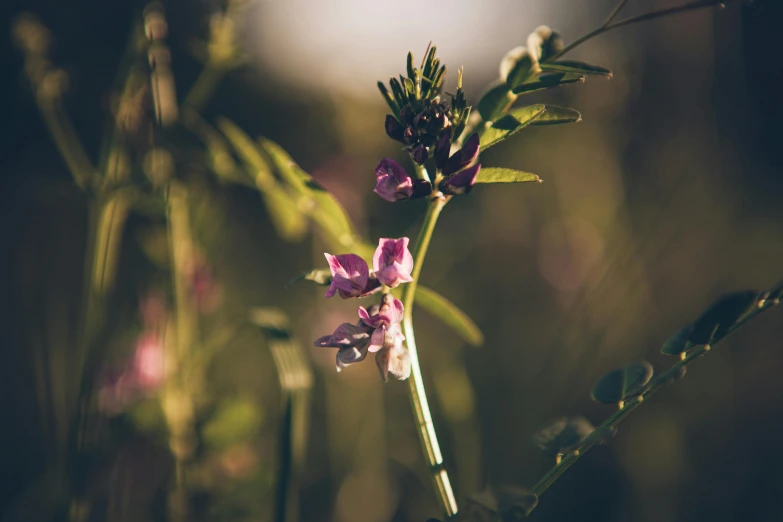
<point>206,83</point>
<point>177,404</point>
<point>476,123</point>
<point>615,12</point>
<point>607,427</point>
<point>68,144</point>
<point>421,407</point>
<point>608,26</point>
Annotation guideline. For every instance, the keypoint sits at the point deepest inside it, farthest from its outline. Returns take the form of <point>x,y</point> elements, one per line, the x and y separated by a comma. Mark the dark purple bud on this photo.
<point>421,188</point>
<point>439,120</point>
<point>463,157</point>
<point>461,182</point>
<point>442,150</point>
<point>419,154</point>
<point>406,115</point>
<point>393,183</point>
<point>409,136</point>
<point>421,120</point>
<point>394,129</point>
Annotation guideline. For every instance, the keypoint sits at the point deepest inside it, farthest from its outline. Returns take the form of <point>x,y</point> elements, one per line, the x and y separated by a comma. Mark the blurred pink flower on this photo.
<point>206,292</point>
<point>148,362</point>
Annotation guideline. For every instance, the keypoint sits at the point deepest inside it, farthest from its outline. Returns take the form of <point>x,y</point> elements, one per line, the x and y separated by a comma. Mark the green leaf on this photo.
<point>284,208</point>
<point>521,66</point>
<point>722,315</point>
<point>548,81</point>
<point>622,384</point>
<point>284,211</point>
<point>389,100</point>
<point>448,312</point>
<point>249,153</point>
<point>554,115</point>
<point>319,276</point>
<point>510,124</point>
<point>678,343</point>
<point>563,435</point>
<point>500,175</point>
<point>576,67</point>
<point>410,68</point>
<point>318,203</point>
<point>493,103</point>
<point>399,93</point>
<point>410,88</point>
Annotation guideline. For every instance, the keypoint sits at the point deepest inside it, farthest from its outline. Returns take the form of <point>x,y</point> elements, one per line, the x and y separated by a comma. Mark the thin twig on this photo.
<point>614,12</point>
<point>599,434</point>
<point>691,6</point>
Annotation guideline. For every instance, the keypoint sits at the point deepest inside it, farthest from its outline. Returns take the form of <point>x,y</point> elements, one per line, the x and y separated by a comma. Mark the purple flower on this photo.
<point>390,312</point>
<point>460,159</point>
<point>457,178</point>
<point>385,321</point>
<point>460,183</point>
<point>377,331</point>
<point>353,342</point>
<point>393,360</point>
<point>393,262</point>
<point>394,128</point>
<point>419,153</point>
<point>350,275</point>
<point>393,183</point>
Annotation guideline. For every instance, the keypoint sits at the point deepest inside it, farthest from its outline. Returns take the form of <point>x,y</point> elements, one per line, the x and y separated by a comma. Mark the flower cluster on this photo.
<point>420,117</point>
<point>419,131</point>
<point>392,264</point>
<point>378,329</point>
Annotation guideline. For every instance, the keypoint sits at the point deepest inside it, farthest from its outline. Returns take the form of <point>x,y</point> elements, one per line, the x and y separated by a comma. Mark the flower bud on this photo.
<point>394,129</point>
<point>392,182</point>
<point>419,154</point>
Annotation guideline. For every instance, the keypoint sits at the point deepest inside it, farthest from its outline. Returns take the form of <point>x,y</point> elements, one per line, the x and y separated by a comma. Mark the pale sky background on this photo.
<point>348,45</point>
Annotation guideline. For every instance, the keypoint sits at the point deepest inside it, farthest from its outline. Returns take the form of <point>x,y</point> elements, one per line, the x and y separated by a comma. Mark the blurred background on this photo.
<point>665,196</point>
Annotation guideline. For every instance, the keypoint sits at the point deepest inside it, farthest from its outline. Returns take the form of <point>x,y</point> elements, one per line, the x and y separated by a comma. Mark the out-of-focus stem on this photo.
<point>421,406</point>
<point>205,86</point>
<point>599,434</point>
<point>66,141</point>
<point>177,403</point>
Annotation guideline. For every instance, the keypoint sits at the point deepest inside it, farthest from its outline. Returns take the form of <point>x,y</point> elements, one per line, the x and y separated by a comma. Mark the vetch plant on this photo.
<point>444,139</point>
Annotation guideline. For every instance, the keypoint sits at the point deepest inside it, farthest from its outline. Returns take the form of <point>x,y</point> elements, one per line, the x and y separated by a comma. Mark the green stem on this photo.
<point>690,6</point>
<point>206,84</point>
<point>615,12</point>
<point>67,142</point>
<point>421,407</point>
<point>421,172</point>
<point>606,27</point>
<point>600,433</point>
